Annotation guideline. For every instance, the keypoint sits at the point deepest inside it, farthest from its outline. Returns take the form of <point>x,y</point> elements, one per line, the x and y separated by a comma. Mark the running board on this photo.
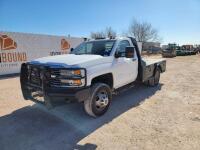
<point>123,88</point>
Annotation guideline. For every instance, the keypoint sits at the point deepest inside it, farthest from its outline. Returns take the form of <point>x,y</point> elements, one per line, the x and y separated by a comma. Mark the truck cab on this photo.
<point>90,73</point>
<point>111,60</point>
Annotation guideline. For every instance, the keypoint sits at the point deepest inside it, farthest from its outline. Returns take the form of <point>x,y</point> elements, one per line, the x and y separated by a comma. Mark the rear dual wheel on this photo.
<point>154,81</point>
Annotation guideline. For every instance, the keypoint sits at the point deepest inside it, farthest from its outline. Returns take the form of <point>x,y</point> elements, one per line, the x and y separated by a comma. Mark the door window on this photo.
<point>121,47</point>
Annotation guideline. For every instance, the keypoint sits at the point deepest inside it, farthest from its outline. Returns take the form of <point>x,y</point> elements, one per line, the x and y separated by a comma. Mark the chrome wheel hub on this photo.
<point>102,99</point>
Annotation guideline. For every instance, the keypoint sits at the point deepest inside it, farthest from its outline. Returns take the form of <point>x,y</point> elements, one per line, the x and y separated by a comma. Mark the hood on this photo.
<point>72,60</point>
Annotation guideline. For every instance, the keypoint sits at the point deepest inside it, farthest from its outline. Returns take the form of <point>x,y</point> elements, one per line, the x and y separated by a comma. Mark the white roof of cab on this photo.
<point>116,38</point>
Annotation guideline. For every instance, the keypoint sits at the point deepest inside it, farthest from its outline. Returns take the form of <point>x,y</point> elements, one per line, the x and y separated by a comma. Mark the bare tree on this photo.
<point>143,32</point>
<point>108,32</point>
<point>95,35</point>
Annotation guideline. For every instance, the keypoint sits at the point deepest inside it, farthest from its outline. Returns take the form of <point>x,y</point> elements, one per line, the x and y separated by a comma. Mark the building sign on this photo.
<point>8,54</point>
<point>16,48</point>
<point>64,46</point>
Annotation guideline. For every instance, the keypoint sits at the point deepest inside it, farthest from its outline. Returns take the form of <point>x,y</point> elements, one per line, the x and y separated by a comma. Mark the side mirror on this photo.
<point>129,52</point>
<point>71,49</point>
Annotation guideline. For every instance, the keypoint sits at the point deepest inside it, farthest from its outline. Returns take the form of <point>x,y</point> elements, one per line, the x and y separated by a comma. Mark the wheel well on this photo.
<point>105,78</point>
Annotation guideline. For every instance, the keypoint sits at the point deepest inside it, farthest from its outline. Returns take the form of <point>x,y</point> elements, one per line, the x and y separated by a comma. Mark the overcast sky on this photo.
<point>177,20</point>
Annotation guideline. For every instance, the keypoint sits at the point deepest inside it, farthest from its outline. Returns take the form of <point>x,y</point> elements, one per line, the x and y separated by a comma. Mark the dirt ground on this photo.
<point>163,117</point>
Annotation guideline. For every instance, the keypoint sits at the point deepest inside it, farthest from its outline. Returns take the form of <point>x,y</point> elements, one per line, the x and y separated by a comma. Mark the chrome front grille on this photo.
<point>50,77</point>
<point>55,75</point>
<point>55,82</point>
<point>55,78</point>
<point>55,72</point>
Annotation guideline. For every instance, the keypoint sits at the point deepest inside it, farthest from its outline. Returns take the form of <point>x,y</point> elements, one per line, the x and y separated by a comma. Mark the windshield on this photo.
<point>102,47</point>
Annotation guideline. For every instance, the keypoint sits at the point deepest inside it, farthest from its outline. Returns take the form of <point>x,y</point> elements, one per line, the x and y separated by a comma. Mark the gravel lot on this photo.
<point>163,117</point>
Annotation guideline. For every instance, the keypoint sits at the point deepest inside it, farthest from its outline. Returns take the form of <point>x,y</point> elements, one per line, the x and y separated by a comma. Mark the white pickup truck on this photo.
<point>90,74</point>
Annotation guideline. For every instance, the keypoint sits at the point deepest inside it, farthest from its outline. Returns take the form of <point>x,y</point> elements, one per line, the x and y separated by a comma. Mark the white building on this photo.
<point>16,48</point>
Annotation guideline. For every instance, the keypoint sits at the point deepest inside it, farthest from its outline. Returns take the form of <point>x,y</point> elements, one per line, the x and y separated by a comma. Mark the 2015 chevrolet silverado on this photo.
<point>90,73</point>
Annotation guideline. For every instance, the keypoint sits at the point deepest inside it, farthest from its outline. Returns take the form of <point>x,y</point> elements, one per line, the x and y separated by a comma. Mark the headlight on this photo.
<point>79,73</point>
<point>73,83</point>
<point>70,78</point>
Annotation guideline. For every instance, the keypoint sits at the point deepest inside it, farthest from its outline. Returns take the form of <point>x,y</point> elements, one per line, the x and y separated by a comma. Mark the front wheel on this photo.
<point>99,101</point>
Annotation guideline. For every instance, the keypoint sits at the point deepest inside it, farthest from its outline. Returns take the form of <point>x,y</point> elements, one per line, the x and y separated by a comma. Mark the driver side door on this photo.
<point>126,69</point>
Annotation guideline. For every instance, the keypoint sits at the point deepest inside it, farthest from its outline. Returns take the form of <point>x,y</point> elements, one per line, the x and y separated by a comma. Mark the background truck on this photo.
<point>90,74</point>
<point>170,51</point>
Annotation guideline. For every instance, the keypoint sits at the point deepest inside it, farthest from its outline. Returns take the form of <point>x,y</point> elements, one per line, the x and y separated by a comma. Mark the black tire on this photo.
<point>157,77</point>
<point>99,101</point>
